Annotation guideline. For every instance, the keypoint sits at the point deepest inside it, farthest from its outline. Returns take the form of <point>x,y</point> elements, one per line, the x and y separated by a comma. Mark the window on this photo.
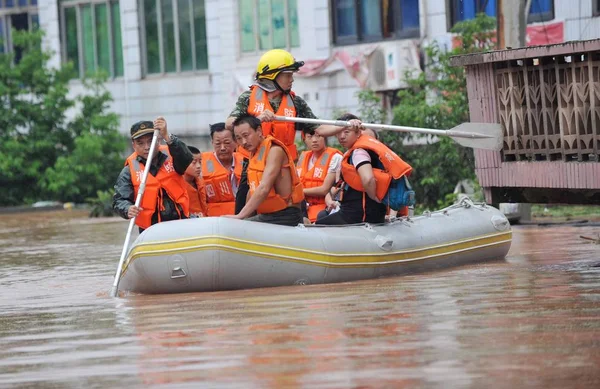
<point>357,21</point>
<point>596,7</point>
<point>459,10</point>
<point>174,35</point>
<point>17,14</point>
<point>541,11</point>
<point>91,36</point>
<point>268,24</point>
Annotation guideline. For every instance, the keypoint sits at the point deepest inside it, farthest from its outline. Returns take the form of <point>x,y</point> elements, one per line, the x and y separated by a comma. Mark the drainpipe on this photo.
<point>423,19</point>
<point>125,67</point>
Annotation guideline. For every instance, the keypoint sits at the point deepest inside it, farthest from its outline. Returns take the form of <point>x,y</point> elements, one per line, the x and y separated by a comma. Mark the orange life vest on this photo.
<point>314,177</point>
<point>243,152</point>
<point>197,197</point>
<point>282,131</point>
<point>166,178</point>
<point>393,166</point>
<point>256,168</point>
<point>219,191</point>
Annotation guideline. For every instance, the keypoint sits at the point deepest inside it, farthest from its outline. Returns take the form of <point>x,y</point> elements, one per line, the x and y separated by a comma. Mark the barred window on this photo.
<point>268,24</point>
<point>174,35</point>
<point>91,36</point>
<point>357,21</point>
<point>459,10</point>
<point>20,15</point>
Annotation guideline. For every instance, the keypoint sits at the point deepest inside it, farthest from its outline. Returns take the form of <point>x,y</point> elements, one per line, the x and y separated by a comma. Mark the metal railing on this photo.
<point>549,107</point>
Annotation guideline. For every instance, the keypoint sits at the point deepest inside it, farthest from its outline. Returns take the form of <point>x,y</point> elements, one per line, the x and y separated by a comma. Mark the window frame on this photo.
<point>450,10</point>
<point>161,48</point>
<point>16,5</point>
<point>541,17</point>
<point>398,33</point>
<point>78,4</point>
<point>5,14</point>
<point>256,30</point>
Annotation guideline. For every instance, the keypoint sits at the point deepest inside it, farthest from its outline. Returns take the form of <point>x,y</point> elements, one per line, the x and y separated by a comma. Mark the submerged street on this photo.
<point>529,320</point>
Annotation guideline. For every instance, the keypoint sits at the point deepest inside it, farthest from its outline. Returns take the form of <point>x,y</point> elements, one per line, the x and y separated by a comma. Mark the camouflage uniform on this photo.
<point>302,109</point>
<point>124,192</point>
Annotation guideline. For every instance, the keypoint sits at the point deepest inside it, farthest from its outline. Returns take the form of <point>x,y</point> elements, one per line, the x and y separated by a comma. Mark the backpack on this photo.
<point>400,194</point>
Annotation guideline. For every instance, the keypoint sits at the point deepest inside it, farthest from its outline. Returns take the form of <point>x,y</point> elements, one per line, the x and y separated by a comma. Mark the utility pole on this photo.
<point>512,22</point>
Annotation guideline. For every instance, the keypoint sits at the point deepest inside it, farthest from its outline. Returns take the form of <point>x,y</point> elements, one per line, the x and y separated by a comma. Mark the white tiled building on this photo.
<point>189,59</point>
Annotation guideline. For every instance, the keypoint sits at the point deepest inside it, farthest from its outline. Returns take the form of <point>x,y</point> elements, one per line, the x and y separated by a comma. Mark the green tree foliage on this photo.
<point>437,98</point>
<point>370,110</point>
<point>101,205</point>
<point>45,154</point>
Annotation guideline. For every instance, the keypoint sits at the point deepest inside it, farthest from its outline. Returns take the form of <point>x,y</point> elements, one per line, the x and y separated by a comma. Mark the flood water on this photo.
<point>530,320</point>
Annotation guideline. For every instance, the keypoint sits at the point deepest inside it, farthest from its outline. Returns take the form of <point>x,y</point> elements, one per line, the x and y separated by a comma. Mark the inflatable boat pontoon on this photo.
<point>212,254</point>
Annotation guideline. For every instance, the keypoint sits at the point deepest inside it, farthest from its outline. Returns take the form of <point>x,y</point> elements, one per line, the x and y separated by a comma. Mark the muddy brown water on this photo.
<point>530,320</point>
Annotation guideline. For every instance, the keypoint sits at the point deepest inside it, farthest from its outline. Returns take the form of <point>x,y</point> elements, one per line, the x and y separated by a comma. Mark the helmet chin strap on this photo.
<point>285,92</point>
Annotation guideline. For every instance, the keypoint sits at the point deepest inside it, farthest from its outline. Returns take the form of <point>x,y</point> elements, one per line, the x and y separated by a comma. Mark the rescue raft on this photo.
<point>217,253</point>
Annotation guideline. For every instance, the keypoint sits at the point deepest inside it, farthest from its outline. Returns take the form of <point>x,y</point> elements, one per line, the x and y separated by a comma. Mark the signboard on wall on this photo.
<point>535,34</point>
<point>545,33</point>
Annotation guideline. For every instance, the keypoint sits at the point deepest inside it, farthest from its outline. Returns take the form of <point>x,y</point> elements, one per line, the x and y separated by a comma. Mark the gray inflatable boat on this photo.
<point>212,254</point>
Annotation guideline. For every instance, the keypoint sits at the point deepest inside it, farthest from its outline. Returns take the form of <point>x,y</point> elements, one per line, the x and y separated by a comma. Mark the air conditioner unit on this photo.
<point>389,63</point>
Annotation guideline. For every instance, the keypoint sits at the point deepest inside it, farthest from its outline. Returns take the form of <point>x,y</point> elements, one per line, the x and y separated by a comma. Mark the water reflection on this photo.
<point>529,320</point>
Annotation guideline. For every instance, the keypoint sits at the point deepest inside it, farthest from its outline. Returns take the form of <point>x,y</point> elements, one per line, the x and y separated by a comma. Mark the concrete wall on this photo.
<point>580,24</point>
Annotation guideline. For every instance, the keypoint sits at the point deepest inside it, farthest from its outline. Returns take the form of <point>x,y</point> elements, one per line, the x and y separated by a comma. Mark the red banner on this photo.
<point>535,35</point>
<point>545,34</point>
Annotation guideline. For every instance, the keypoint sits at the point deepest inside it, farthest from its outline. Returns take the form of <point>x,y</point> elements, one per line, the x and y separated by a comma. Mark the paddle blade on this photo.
<point>487,136</point>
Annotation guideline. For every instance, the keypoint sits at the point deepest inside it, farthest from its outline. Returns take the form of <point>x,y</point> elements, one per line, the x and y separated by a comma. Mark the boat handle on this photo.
<point>177,272</point>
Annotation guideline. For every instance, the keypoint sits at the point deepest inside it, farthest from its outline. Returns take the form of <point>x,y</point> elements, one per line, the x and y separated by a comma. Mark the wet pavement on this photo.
<point>530,320</point>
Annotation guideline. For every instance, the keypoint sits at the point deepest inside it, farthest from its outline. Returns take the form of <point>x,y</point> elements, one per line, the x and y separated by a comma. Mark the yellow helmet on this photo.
<point>274,62</point>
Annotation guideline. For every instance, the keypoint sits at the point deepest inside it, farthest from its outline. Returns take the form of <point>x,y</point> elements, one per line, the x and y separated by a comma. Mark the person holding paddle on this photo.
<point>165,197</point>
<point>271,94</point>
<point>367,170</point>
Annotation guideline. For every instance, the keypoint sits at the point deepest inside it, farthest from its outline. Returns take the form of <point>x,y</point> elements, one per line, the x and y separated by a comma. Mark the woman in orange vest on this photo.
<point>367,170</point>
<point>195,185</point>
<point>317,168</point>
<point>221,171</point>
<point>275,191</point>
<point>165,197</point>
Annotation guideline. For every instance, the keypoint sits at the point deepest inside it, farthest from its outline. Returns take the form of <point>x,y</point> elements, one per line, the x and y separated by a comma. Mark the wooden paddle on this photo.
<point>487,136</point>
<point>138,200</point>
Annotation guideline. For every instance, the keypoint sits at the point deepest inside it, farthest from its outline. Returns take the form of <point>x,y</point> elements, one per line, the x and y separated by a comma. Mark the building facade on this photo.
<point>188,60</point>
